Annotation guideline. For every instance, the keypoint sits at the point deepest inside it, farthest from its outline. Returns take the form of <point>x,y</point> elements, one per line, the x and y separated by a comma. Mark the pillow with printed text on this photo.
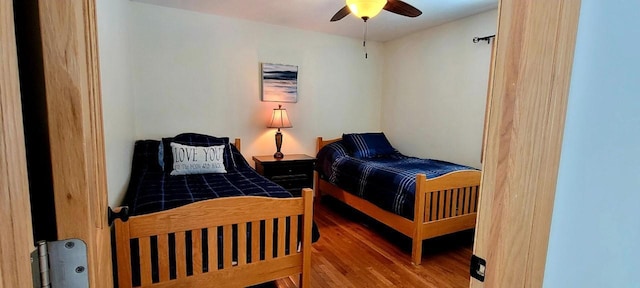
<point>197,159</point>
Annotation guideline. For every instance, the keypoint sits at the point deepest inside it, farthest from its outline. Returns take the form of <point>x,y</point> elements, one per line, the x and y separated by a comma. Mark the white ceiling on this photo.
<point>315,14</point>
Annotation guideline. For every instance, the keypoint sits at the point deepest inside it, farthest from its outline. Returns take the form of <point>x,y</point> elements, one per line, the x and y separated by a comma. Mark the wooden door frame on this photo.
<point>16,238</point>
<point>530,88</point>
<point>72,83</point>
<point>485,126</point>
<point>71,69</point>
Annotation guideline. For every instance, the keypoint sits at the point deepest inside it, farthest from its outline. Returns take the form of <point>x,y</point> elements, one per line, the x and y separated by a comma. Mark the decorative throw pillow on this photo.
<point>193,139</point>
<point>368,145</point>
<point>197,159</point>
<point>145,155</point>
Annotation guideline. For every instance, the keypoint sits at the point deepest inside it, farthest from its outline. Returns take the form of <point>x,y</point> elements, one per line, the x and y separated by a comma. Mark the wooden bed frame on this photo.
<point>443,205</point>
<point>229,213</point>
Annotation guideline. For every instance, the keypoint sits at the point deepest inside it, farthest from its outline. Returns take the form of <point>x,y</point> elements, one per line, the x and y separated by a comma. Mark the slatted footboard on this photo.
<point>225,242</point>
<point>444,205</point>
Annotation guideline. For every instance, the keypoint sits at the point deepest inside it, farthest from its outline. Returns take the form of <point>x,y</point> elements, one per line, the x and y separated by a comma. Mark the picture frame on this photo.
<point>279,82</point>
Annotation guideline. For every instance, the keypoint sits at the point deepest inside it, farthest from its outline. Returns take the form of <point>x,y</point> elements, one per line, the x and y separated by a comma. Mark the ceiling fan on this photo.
<point>367,9</point>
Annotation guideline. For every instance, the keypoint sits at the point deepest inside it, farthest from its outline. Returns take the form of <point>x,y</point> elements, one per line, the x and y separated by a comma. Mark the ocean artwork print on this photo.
<point>279,83</point>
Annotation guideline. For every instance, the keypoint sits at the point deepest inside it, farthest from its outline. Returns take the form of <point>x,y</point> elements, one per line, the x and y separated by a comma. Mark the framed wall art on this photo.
<point>279,82</point>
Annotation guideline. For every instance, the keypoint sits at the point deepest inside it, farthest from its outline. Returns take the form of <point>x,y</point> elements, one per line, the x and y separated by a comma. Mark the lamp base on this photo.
<point>278,154</point>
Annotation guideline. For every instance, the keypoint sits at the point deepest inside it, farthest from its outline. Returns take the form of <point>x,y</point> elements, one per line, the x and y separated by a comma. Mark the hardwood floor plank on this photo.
<point>356,251</point>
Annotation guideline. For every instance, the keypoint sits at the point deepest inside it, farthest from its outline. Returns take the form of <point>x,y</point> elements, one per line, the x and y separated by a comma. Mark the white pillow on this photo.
<point>197,159</point>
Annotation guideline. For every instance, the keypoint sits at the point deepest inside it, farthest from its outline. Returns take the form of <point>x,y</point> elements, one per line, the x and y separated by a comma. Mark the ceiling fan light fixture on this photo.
<point>366,8</point>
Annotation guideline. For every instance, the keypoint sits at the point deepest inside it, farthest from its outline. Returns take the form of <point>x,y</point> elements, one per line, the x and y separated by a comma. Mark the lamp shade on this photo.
<point>279,118</point>
<point>366,8</point>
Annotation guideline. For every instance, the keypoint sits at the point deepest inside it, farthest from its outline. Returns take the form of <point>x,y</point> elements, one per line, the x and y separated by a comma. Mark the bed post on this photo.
<point>316,175</point>
<point>236,143</point>
<point>307,196</point>
<point>418,219</point>
<point>123,253</point>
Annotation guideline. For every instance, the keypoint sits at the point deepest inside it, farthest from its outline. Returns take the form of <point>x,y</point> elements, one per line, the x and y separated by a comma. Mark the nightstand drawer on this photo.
<point>289,178</point>
<point>288,169</point>
<point>293,172</point>
<point>293,185</point>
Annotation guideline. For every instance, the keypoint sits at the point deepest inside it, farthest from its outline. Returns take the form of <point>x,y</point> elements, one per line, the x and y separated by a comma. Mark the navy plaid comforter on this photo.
<point>151,189</point>
<point>388,182</point>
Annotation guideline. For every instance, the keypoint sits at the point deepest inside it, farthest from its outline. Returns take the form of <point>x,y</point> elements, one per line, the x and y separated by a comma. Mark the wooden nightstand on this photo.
<point>293,172</point>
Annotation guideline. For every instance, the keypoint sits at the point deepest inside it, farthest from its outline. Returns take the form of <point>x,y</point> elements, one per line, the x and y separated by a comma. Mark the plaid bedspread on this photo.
<point>388,182</point>
<point>151,189</point>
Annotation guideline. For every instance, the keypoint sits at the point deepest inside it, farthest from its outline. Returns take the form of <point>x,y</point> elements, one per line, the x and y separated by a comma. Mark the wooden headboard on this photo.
<point>321,143</point>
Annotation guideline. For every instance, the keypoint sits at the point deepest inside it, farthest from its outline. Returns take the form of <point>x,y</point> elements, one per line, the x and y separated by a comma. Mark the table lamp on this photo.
<point>279,119</point>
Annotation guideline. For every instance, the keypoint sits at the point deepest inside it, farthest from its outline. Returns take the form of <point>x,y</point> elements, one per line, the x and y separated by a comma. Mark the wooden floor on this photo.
<point>355,251</point>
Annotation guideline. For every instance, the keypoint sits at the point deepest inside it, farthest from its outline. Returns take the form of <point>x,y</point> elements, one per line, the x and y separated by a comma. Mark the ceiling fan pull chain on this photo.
<point>364,41</point>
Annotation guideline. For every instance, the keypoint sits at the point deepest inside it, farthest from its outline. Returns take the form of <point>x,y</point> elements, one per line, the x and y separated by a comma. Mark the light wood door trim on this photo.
<point>487,105</point>
<point>534,57</point>
<point>16,238</point>
<point>72,84</point>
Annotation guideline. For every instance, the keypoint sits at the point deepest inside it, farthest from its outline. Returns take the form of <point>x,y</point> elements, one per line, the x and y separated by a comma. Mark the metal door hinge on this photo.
<point>60,264</point>
<point>478,267</point>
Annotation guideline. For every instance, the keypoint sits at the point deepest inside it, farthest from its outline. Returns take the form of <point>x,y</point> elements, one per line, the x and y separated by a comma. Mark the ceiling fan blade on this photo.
<point>402,8</point>
<point>341,14</point>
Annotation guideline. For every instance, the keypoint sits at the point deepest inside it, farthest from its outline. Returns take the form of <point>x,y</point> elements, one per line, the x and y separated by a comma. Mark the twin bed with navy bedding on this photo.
<point>421,198</point>
<point>201,216</point>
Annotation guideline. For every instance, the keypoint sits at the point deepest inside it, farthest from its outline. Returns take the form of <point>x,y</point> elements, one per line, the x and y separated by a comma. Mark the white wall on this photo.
<point>435,90</point>
<point>595,230</point>
<point>201,73</point>
<point>166,71</point>
<point>117,100</point>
